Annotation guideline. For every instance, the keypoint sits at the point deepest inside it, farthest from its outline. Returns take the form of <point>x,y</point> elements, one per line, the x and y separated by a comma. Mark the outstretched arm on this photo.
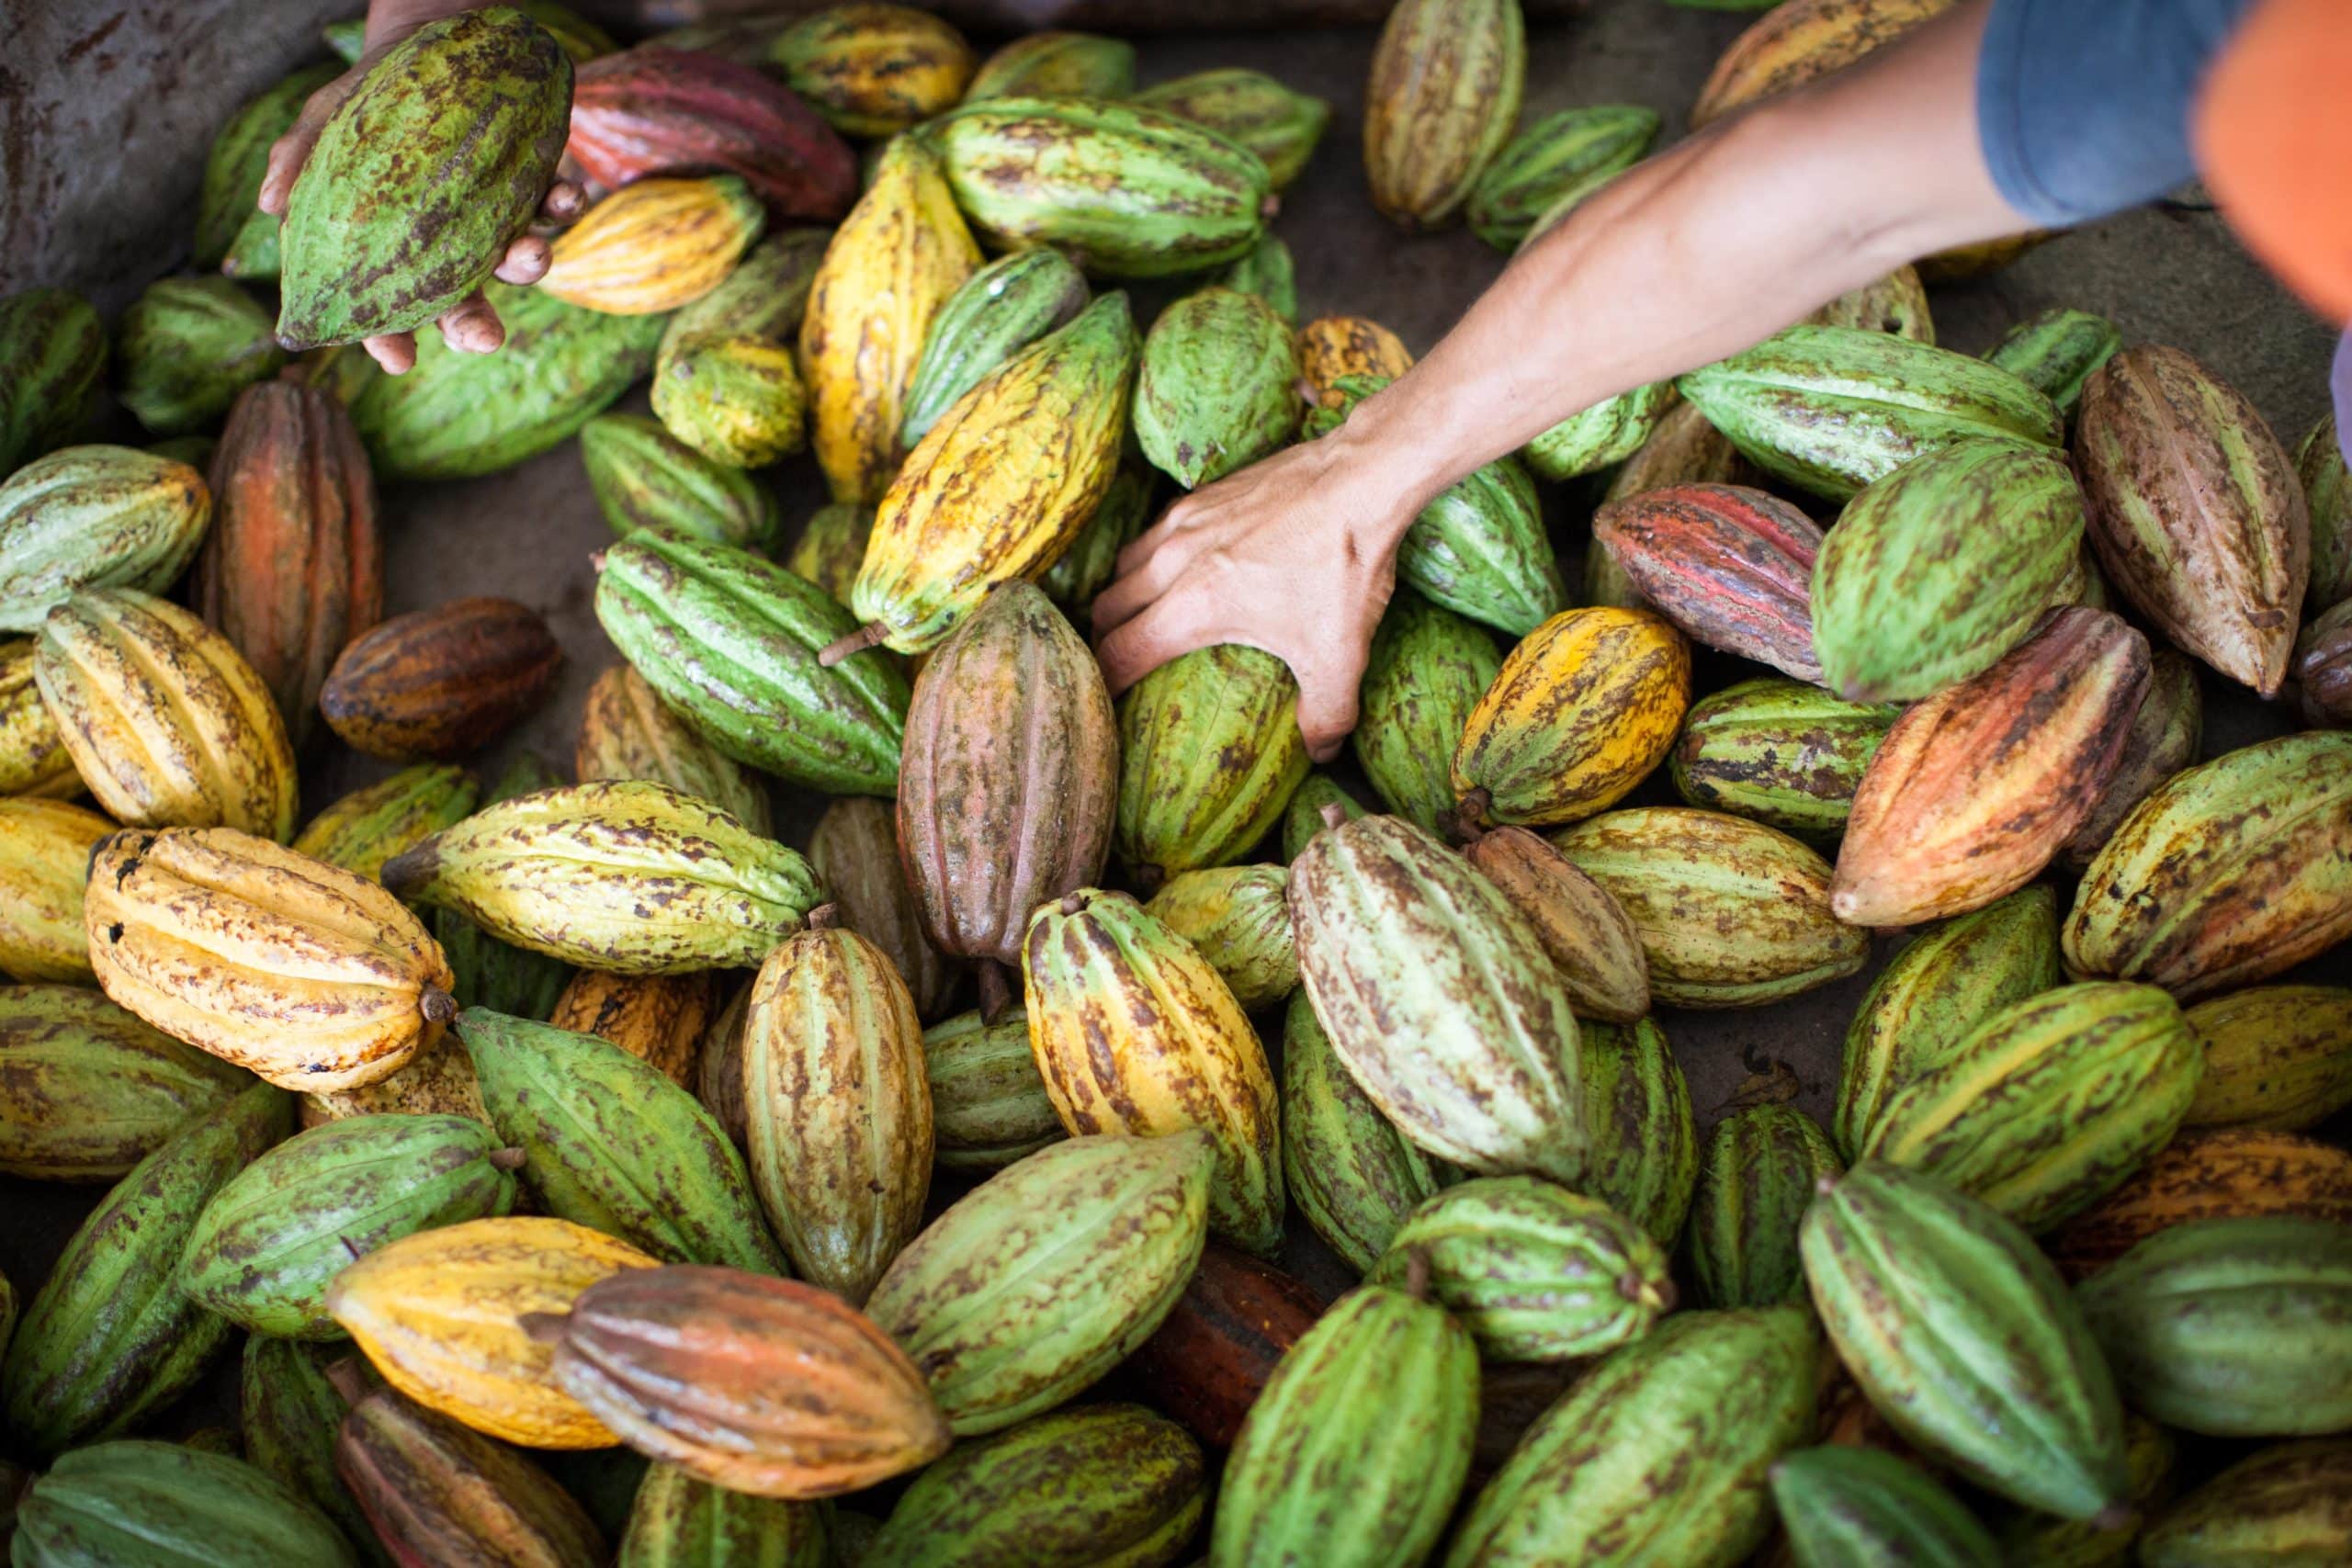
<point>1692,256</point>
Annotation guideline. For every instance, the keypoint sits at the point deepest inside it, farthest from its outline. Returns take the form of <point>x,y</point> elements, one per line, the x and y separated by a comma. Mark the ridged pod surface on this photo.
<point>2232,1328</point>
<point>1731,567</point>
<point>1684,449</point>
<point>2275,1056</point>
<point>627,732</point>
<point>44,861</point>
<point>766,1386</point>
<point>1213,1355</point>
<point>732,397</point>
<point>1352,1173</point>
<point>288,1414</point>
<point>1052,63</point>
<point>1965,1340</point>
<point>1444,95</point>
<point>52,353</point>
<point>1663,1451</point>
<point>1557,161</point>
<point>874,70</point>
<point>832,547</point>
<point>1003,483</point>
<point>1209,753</point>
<point>1595,950</point>
<point>1934,993</point>
<point>2207,1174</point>
<point>1135,1031</point>
<point>627,875</point>
<point>1237,917</point>
<point>1974,790</point>
<point>1427,670</point>
<point>1358,1448</point>
<point>108,1338</point>
<point>2166,735</point>
<point>1645,1159</point>
<point>437,1313</point>
<point>895,261</point>
<point>658,1019</point>
<point>186,347</point>
<point>1217,386</point>
<point>363,830</point>
<point>441,683</point>
<point>435,1493</point>
<point>837,1107</point>
<point>654,245</point>
<point>1331,348</point>
<point>2287,1498</point>
<point>33,758</point>
<point>2195,512</point>
<point>1789,48</point>
<point>994,315</point>
<point>97,517</point>
<point>1439,999</point>
<point>88,1089</point>
<point>855,851</point>
<point>1108,1483</point>
<point>662,111</point>
<point>1087,566</point>
<point>1844,1508</point>
<point>166,1503</point>
<point>165,721</point>
<point>490,973</point>
<point>2229,873</point>
<point>2056,351</point>
<point>2037,1539</point>
<point>228,223</point>
<point>2327,487</point>
<point>1730,913</point>
<point>1896,303</point>
<point>646,478</point>
<point>677,1521</point>
<point>1609,432</point>
<point>1279,124</point>
<point>2323,668</point>
<point>988,1107</point>
<point>1781,752</point>
<point>1830,410</point>
<point>415,188</point>
<point>1755,1180</point>
<point>1047,1275</point>
<point>1132,191</point>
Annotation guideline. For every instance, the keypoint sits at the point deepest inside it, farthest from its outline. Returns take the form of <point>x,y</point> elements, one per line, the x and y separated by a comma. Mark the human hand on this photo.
<point>471,326</point>
<point>1296,556</point>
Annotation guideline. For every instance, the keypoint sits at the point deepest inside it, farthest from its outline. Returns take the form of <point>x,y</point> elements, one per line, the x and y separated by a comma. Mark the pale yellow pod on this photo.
<point>44,861</point>
<point>439,1315</point>
<point>306,975</point>
<point>653,246</point>
<point>33,759</point>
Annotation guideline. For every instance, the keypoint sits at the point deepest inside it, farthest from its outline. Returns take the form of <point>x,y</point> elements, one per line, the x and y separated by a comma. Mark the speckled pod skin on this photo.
<point>735,399</point>
<point>2166,736</point>
<point>1730,912</point>
<point>2275,1056</point>
<point>1934,993</point>
<point>627,732</point>
<point>1280,126</point>
<point>1209,753</point>
<point>1428,668</point>
<point>1786,49</point>
<point>1135,1031</point>
<point>1664,1449</point>
<point>2327,487</point>
<point>1965,1337</point>
<point>1444,93</point>
<point>2210,1173</point>
<point>1595,949</point>
<point>2228,873</point>
<point>1357,1449</point>
<point>1218,386</point>
<point>1213,1355</point>
<point>1780,752</point>
<point>186,347</point>
<point>154,1502</point>
<point>2056,351</point>
<point>1755,1180</point>
<point>854,850</point>
<point>369,826</point>
<point>997,312</point>
<point>52,353</point>
<point>1237,917</point>
<point>1896,303</point>
<point>1049,64</point>
<point>33,758</point>
<point>92,1089</point>
<point>1331,348</point>
<point>680,1522</point>
<point>489,973</point>
<point>2195,514</point>
<point>433,1491</point>
<point>874,70</point>
<point>1048,1274</point>
<point>646,478</point>
<point>1563,157</point>
<point>1439,999</point>
<point>288,1414</point>
<point>2287,1498</point>
<point>95,517</point>
<point>988,1107</point>
<point>1352,1173</point>
<point>44,862</point>
<point>441,683</point>
<point>654,245</point>
<point>1731,567</point>
<point>1848,1507</point>
<point>2232,1328</point>
<point>1109,1483</point>
<point>1609,432</point>
<point>1645,1151</point>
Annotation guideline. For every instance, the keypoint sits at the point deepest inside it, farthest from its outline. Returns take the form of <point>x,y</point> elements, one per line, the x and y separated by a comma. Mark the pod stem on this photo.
<point>543,1327</point>
<point>437,1005</point>
<point>1464,825</point>
<point>995,994</point>
<point>824,917</point>
<point>1417,1273</point>
<point>870,634</point>
<point>506,1159</point>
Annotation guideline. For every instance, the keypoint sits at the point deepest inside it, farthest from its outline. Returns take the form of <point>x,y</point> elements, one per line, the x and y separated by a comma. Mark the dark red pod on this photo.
<point>1730,566</point>
<point>1221,1341</point>
<point>443,681</point>
<point>669,111</point>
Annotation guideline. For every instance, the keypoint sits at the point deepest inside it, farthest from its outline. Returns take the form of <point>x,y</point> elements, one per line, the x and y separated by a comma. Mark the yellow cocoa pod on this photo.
<point>302,972</point>
<point>33,759</point>
<point>438,1081</point>
<point>658,1019</point>
<point>653,246</point>
<point>874,70</point>
<point>166,722</point>
<point>44,860</point>
<point>1333,346</point>
<point>900,254</point>
<point>437,1313</point>
<point>1792,44</point>
<point>2275,1056</point>
<point>1583,708</point>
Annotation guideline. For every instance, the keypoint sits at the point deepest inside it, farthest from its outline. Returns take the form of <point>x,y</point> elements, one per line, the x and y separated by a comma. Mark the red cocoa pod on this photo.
<point>1729,566</point>
<point>440,683</point>
<point>1220,1343</point>
<point>294,566</point>
<point>669,111</point>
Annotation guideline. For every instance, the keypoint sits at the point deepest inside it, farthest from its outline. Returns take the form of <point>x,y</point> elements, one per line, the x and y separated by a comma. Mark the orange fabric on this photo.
<point>2274,139</point>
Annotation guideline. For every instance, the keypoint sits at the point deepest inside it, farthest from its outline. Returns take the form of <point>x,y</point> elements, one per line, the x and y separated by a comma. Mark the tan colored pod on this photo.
<point>311,976</point>
<point>1792,44</point>
<point>33,758</point>
<point>658,1019</point>
<point>1591,940</point>
<point>438,1081</point>
<point>44,860</point>
<point>625,732</point>
<point>166,722</point>
<point>1332,346</point>
<point>856,850</point>
<point>2275,1056</point>
<point>2208,1173</point>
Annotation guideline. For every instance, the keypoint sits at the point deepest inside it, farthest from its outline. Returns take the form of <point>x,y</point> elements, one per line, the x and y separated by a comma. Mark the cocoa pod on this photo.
<point>1209,753</point>
<point>150,1502</point>
<point>186,347</point>
<point>1595,950</point>
<point>1217,386</point>
<point>1645,1148</point>
<point>1444,93</point>
<point>653,246</point>
<point>52,353</point>
<point>854,850</point>
<point>1553,164</point>
<point>1787,49</point>
<point>2275,1056</point>
<point>1047,65</point>
<point>1731,567</point>
<point>2207,1174</point>
<point>2288,1497</point>
<point>1425,672</point>
<point>1282,127</point>
<point>719,1067</point>
<point>2056,351</point>
<point>1684,449</point>
<point>437,1495</point>
<point>441,683</point>
<point>988,1107</point>
<point>33,758</point>
<point>874,70</point>
<point>44,860</point>
<point>1210,1357</point>
<point>1237,918</point>
<point>1609,432</point>
<point>666,111</point>
<point>647,479</point>
<point>491,974</point>
<point>88,1089</point>
<point>1780,752</point>
<point>1351,1172</point>
<point>1271,273</point>
<point>2040,1540</point>
<point>1755,1180</point>
<point>233,235</point>
<point>1302,817</point>
<point>626,732</point>
<point>95,517</point>
<point>1331,348</point>
<point>2327,488</point>
<point>1896,303</point>
<point>437,1082</point>
<point>994,315</point>
<point>288,1414</point>
<point>369,826</point>
<point>2166,736</point>
<point>676,1519</point>
<point>735,399</point>
<point>1088,566</point>
<point>832,548</point>
<point>2322,667</point>
<point>1857,1505</point>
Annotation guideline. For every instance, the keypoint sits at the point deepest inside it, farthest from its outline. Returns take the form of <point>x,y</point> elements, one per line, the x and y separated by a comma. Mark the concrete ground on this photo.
<point>100,194</point>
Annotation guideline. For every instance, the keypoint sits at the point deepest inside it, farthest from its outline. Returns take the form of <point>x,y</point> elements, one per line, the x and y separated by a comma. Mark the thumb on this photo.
<point>291,150</point>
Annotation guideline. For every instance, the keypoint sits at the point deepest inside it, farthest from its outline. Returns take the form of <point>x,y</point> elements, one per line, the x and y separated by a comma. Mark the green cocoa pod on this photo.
<point>188,346</point>
<point>1533,1272</point>
<point>1270,273</point>
<point>1947,981</point>
<point>1251,108</point>
<point>1896,303</point>
<point>646,478</point>
<point>677,1521</point>
<point>1136,192</point>
<point>277,1233</point>
<point>1106,1484</point>
<point>1962,1335</point>
<point>1237,917</point>
<point>1057,65</point>
<point>1833,409</point>
<point>731,642</point>
<point>108,1338</point>
<point>1644,1161</point>
<point>1357,1447</point>
<point>2050,1103</point>
<point>1755,1181</point>
<point>733,397</point>
<point>1209,753</point>
<point>988,1106</point>
<point>1047,1275</point>
<point>580,38</point>
<point>95,517</point>
<point>2038,1540</point>
<point>1087,566</point>
<point>422,177</point>
<point>998,310</point>
<point>369,826</point>
<point>1853,1507</point>
<point>2286,1504</point>
<point>1428,668</point>
<point>2056,351</point>
<point>2232,1328</point>
<point>1349,1169</point>
<point>161,1504</point>
<point>1660,1454</point>
<point>1553,164</point>
<point>1605,434</point>
<point>1302,817</point>
<point>1218,387</point>
<point>288,1413</point>
<point>1781,752</point>
<point>53,354</point>
<point>1905,604</point>
<point>490,974</point>
<point>2319,463</point>
<point>832,548</point>
<point>764,297</point>
<point>455,416</point>
<point>610,1142</point>
<point>228,222</point>
<point>88,1090</point>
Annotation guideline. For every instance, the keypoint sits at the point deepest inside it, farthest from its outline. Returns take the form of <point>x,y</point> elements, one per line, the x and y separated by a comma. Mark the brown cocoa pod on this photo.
<point>438,683</point>
<point>658,1018</point>
<point>2207,1174</point>
<point>1221,1341</point>
<point>855,851</point>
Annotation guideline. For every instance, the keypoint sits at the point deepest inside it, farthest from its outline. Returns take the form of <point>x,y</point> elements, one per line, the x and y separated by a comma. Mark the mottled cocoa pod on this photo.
<point>1209,753</point>
<point>719,1067</point>
<point>441,683</point>
<point>660,1019</point>
<point>1731,567</point>
<point>1782,752</point>
<point>665,111</point>
<point>1333,347</point>
<point>1896,303</point>
<point>988,1106</point>
<point>2327,485</point>
<point>1754,1184</point>
<point>2277,1056</point>
<point>1792,44</point>
<point>1594,947</point>
<point>1645,1148</point>
<point>2285,1502</point>
<point>1221,1341</point>
<point>2213,1173</point>
<point>2322,666</point>
<point>440,1494</point>
<point>1345,1164</point>
<point>856,850</point>
<point>2166,736</point>
<point>627,732</point>
<point>1446,80</point>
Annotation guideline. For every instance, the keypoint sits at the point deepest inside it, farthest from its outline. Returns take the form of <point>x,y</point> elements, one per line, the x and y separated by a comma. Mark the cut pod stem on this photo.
<point>870,634</point>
